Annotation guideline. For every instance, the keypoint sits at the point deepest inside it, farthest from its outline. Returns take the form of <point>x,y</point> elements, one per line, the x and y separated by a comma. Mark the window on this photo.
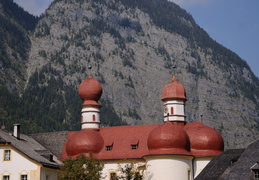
<point>24,177</point>
<point>172,110</point>
<point>108,148</point>
<point>93,117</point>
<point>113,176</point>
<point>7,155</point>
<point>256,174</point>
<point>134,146</point>
<point>6,177</point>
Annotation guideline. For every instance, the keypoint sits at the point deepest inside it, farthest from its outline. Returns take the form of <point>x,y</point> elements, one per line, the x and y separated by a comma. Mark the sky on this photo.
<point>232,23</point>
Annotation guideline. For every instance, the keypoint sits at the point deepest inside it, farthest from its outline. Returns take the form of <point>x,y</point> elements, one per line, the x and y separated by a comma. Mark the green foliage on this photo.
<point>81,168</point>
<point>130,171</point>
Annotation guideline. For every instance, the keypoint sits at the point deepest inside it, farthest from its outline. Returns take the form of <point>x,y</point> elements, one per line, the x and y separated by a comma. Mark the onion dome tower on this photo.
<point>90,91</point>
<point>84,141</point>
<point>88,139</point>
<point>174,98</point>
<point>169,153</point>
<point>168,138</point>
<point>205,141</point>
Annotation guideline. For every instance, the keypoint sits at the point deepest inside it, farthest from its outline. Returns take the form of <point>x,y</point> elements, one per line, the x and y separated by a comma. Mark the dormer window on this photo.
<point>108,148</point>
<point>256,174</point>
<point>134,146</point>
<point>255,171</point>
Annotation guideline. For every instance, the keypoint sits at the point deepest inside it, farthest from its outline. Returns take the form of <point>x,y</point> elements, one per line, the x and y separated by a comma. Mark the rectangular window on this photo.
<point>7,155</point>
<point>6,177</point>
<point>256,174</point>
<point>134,146</point>
<point>113,176</point>
<point>24,177</point>
<point>108,148</point>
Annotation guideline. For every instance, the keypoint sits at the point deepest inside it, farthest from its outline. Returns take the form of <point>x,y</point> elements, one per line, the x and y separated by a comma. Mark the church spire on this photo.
<point>174,97</point>
<point>90,91</point>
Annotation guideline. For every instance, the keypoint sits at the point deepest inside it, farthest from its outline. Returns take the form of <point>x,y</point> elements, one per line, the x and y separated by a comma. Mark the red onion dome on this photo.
<point>204,140</point>
<point>90,90</point>
<point>168,139</point>
<point>84,141</point>
<point>173,90</point>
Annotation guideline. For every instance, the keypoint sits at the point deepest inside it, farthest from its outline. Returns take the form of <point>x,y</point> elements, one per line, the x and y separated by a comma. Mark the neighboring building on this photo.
<point>173,150</point>
<point>235,164</point>
<point>21,157</point>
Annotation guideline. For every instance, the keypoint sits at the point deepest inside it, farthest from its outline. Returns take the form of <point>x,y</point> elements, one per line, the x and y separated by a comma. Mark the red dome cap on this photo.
<point>173,90</point>
<point>205,141</point>
<point>84,141</point>
<point>90,90</point>
<point>168,139</point>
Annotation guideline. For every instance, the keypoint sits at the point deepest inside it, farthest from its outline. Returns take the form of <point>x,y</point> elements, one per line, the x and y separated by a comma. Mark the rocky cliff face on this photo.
<point>134,49</point>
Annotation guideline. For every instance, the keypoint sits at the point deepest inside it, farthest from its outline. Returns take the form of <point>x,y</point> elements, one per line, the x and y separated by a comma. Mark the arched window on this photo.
<point>172,110</point>
<point>93,117</point>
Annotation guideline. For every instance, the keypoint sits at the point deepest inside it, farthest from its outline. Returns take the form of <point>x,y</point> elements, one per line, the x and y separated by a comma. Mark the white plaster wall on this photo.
<point>169,169</point>
<point>52,174</point>
<point>114,167</point>
<point>179,108</point>
<point>87,117</point>
<point>90,126</point>
<point>199,164</point>
<point>16,166</point>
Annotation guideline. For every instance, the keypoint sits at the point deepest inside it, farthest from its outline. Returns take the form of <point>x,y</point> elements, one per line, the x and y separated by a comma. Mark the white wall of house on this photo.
<point>169,167</point>
<point>19,164</point>
<point>114,166</point>
<point>48,174</point>
<point>199,164</point>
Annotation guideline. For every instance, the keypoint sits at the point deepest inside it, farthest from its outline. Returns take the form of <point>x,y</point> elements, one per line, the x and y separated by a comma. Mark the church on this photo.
<point>173,150</point>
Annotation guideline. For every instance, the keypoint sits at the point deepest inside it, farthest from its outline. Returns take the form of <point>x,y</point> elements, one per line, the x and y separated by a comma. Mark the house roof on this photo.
<point>54,141</point>
<point>29,147</point>
<point>232,164</point>
<point>220,165</point>
<point>242,168</point>
<point>255,166</point>
<point>121,138</point>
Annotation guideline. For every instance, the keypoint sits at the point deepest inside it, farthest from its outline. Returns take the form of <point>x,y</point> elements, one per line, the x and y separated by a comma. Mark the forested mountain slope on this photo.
<point>134,47</point>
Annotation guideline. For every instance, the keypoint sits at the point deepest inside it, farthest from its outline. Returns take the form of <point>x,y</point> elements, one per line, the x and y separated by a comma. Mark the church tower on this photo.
<point>174,98</point>
<point>90,91</point>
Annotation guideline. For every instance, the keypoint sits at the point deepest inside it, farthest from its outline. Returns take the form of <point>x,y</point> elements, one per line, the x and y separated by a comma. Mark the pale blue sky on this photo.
<point>232,23</point>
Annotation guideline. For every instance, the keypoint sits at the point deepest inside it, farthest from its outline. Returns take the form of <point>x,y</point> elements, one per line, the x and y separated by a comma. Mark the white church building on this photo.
<point>173,150</point>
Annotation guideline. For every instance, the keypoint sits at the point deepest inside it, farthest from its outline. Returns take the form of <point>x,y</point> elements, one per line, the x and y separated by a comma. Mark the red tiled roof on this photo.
<point>204,141</point>
<point>123,137</point>
<point>90,89</point>
<point>174,90</point>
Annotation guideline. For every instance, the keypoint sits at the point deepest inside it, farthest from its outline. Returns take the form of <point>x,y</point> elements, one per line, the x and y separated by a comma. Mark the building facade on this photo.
<point>21,157</point>
<point>174,149</point>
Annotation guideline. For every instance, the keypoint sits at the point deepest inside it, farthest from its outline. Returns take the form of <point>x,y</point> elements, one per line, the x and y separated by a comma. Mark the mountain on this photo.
<point>134,48</point>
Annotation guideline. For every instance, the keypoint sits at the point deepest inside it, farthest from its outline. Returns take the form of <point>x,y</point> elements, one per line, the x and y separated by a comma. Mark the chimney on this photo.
<point>16,131</point>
